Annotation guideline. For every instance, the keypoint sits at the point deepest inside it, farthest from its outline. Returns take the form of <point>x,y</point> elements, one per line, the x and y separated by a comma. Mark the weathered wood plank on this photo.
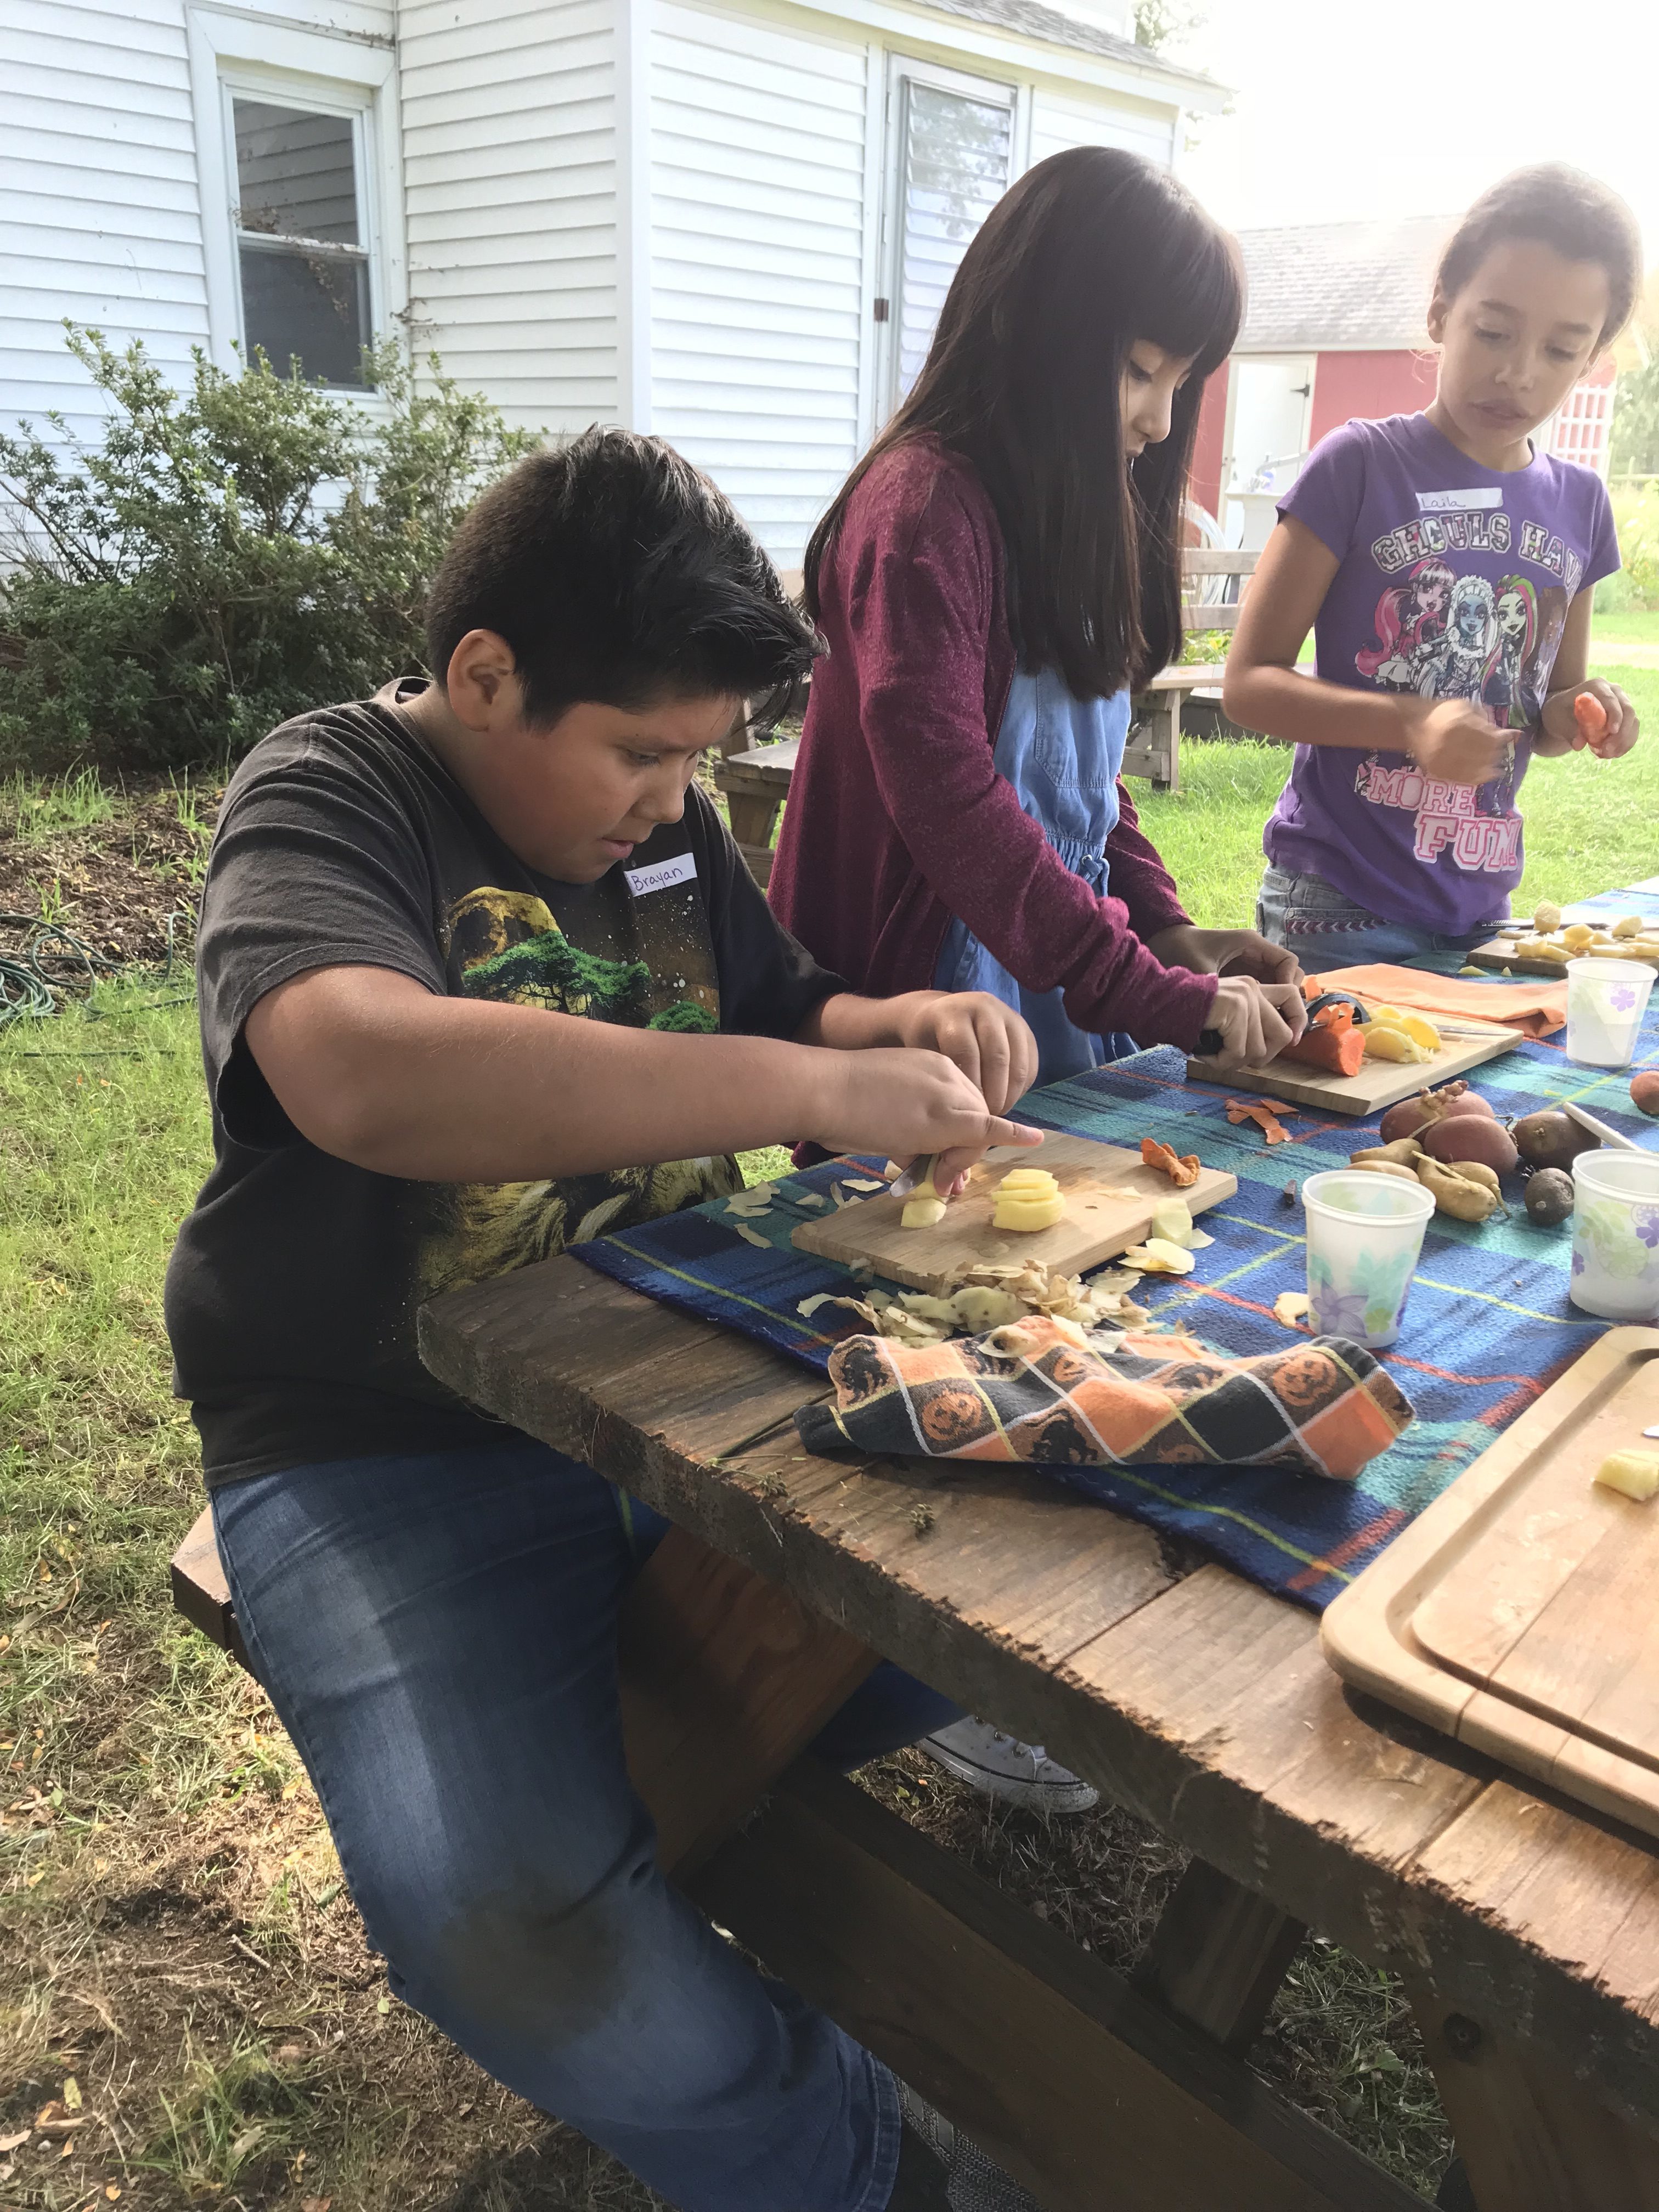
<point>1218,1956</point>
<point>725,1679</point>
<point>1087,2092</point>
<point>1532,2138</point>
<point>201,1592</point>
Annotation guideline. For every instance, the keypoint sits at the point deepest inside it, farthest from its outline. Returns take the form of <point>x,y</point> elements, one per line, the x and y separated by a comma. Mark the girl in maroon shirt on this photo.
<point>993,580</point>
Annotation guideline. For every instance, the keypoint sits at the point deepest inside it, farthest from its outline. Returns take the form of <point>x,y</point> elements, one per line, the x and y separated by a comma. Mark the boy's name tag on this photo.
<point>663,875</point>
<point>1455,503</point>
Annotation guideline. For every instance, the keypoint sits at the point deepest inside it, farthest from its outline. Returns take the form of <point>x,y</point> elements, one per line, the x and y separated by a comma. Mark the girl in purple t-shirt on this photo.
<point>1445,567</point>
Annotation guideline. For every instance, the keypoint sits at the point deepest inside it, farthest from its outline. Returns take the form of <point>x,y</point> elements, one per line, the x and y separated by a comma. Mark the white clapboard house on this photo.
<point>729,223</point>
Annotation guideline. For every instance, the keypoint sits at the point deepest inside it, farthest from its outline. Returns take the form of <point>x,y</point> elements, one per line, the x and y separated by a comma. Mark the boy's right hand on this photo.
<point>1255,1021</point>
<point>1456,741</point>
<point>905,1104</point>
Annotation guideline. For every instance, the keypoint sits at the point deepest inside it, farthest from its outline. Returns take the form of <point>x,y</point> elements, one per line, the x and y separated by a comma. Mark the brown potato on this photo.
<point>1644,1091</point>
<point>1472,1136</point>
<point>1404,1152</point>
<point>1385,1167</point>
<point>1466,1189</point>
<point>1551,1138</point>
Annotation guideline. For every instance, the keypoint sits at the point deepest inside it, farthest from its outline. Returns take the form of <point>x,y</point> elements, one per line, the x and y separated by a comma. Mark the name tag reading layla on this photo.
<point>662,875</point>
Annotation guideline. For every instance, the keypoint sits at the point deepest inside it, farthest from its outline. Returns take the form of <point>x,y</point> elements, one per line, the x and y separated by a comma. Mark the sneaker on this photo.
<point>940,2170</point>
<point>1002,1767</point>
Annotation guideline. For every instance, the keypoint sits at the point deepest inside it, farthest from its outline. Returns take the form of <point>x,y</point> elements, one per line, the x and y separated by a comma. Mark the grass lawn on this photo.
<point>1590,824</point>
<point>177,1952</point>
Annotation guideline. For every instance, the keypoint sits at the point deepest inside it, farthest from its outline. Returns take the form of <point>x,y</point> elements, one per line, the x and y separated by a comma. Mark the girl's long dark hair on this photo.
<point>1091,250</point>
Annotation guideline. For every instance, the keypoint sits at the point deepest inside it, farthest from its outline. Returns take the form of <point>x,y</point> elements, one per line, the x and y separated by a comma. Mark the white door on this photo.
<point>1270,403</point>
<point>950,158</point>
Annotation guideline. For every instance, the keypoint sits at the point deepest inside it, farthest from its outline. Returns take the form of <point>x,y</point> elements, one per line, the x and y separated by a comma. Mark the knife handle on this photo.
<point>1209,1043</point>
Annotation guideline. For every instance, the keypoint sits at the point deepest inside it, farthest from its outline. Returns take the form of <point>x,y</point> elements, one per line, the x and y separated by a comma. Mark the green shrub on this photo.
<point>1636,585</point>
<point>223,556</point>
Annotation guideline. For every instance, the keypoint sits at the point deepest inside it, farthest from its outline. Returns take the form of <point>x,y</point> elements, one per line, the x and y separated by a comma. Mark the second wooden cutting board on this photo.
<point>1520,1612</point>
<point>1379,1083</point>
<point>1110,1194</point>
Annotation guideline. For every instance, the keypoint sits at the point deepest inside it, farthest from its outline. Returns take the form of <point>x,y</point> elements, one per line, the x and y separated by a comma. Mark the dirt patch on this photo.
<point>123,885</point>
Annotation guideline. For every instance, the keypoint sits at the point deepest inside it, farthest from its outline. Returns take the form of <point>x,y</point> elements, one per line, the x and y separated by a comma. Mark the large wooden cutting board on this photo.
<point>1379,1084</point>
<point>1500,954</point>
<point>1097,1227</point>
<point>1521,1612</point>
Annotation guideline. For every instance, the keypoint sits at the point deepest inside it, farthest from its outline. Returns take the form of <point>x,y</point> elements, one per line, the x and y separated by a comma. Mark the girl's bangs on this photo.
<point>1194,293</point>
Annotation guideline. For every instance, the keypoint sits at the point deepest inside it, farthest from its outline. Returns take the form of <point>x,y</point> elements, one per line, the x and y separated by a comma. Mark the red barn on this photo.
<point>1335,329</point>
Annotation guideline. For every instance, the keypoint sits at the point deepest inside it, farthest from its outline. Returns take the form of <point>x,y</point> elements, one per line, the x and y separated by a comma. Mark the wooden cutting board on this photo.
<point>1500,954</point>
<point>1379,1084</point>
<point>1521,1612</point>
<point>1097,1225</point>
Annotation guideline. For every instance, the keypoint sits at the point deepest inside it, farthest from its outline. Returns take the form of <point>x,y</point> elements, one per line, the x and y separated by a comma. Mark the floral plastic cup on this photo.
<point>1606,1001</point>
<point>1364,1233</point>
<point>1615,1234</point>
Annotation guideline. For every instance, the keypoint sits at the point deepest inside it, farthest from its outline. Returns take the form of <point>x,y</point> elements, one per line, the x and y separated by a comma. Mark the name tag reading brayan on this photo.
<point>663,875</point>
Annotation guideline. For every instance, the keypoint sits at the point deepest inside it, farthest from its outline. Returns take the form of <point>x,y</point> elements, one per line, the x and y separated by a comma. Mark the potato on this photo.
<point>1549,1197</point>
<point>1546,918</point>
<point>1465,1189</point>
<point>1635,1472</point>
<point>1629,925</point>
<point>1644,1091</point>
<point>1551,1138</point>
<point>1384,1041</point>
<point>1405,1119</point>
<point>1472,1136</point>
<point>1576,936</point>
<point>1387,1167</point>
<point>1404,1152</point>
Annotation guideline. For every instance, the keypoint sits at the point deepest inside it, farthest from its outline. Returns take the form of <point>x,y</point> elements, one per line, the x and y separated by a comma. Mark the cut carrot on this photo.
<point>1590,715</point>
<point>1339,1051</point>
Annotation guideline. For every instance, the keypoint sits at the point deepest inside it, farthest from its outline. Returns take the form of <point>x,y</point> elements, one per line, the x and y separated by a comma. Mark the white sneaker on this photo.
<point>1002,1767</point>
<point>973,2183</point>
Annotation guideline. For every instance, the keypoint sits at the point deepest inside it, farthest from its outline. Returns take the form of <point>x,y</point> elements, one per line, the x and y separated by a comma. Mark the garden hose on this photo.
<point>38,973</point>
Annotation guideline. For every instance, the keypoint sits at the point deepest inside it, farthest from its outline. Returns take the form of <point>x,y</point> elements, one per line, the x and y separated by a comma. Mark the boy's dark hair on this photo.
<point>1556,206</point>
<point>617,573</point>
<point>1092,249</point>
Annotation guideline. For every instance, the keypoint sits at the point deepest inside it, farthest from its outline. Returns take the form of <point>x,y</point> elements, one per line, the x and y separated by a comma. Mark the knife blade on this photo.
<point>919,1170</point>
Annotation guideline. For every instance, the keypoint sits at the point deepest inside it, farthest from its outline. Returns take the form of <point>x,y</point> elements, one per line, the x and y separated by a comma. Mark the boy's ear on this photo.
<point>481,680</point>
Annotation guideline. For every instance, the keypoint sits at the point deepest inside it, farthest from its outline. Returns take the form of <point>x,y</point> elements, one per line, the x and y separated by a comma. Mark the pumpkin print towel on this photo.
<point>1032,1391</point>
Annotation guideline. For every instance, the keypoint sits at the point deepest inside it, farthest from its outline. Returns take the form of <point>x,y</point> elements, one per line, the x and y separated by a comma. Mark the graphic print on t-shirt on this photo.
<point>1446,631</point>
<point>649,964</point>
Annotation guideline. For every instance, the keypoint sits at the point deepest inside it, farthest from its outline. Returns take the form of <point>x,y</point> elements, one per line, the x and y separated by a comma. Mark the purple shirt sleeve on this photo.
<point>1604,558</point>
<point>1327,496</point>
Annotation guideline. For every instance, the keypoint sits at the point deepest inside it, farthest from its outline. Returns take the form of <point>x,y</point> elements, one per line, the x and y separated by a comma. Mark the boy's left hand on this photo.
<point>1623,726</point>
<point>990,1042</point>
<point>1224,952</point>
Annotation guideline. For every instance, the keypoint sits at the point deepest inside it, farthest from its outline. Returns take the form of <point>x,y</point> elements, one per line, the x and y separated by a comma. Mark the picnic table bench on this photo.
<point>756,777</point>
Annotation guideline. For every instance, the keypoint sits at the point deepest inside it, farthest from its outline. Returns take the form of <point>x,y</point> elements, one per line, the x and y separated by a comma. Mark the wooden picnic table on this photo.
<point>1526,1929</point>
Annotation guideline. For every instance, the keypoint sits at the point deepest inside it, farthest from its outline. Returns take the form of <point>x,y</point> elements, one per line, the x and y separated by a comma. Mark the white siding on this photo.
<point>99,215</point>
<point>1060,119</point>
<point>510,179</point>
<point>758,249</point>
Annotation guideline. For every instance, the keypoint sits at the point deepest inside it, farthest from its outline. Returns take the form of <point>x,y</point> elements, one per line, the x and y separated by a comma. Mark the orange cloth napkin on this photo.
<point>1536,1007</point>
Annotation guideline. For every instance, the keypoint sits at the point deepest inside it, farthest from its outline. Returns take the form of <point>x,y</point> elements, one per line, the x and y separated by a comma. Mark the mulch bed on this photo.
<point>115,883</point>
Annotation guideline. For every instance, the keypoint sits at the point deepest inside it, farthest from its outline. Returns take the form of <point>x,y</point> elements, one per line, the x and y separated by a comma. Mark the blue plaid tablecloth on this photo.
<point>1489,1326</point>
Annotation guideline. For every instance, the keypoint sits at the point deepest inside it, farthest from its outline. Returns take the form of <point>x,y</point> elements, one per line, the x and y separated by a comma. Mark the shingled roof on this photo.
<point>1033,20</point>
<point>1319,285</point>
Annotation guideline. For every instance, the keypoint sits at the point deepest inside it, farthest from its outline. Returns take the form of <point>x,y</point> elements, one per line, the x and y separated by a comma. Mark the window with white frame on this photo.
<point>302,267</point>
<point>296,135</point>
<point>953,156</point>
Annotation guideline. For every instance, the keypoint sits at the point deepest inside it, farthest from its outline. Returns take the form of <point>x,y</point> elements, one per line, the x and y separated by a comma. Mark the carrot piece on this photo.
<point>1339,1051</point>
<point>1590,715</point>
<point>1265,1112</point>
<point>1182,1172</point>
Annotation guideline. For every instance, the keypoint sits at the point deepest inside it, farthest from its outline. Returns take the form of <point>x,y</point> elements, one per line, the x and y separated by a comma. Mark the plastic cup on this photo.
<point>1606,1001</point>
<point>1615,1234</point>
<point>1364,1233</point>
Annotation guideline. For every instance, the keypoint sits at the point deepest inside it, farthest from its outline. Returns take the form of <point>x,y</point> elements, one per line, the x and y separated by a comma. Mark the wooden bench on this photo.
<point>756,777</point>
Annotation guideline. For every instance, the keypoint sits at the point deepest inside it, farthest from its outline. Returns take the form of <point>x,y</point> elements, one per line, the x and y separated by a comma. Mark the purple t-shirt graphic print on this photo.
<point>1454,583</point>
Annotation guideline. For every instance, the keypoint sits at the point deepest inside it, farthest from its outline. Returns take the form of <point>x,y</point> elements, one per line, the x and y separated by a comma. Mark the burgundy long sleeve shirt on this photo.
<point>897,820</point>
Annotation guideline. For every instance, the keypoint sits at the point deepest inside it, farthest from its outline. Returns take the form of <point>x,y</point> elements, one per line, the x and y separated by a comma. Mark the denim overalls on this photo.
<point>1062,756</point>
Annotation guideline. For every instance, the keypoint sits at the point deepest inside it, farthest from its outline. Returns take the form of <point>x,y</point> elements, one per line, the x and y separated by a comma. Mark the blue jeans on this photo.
<point>1325,929</point>
<point>438,1635</point>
